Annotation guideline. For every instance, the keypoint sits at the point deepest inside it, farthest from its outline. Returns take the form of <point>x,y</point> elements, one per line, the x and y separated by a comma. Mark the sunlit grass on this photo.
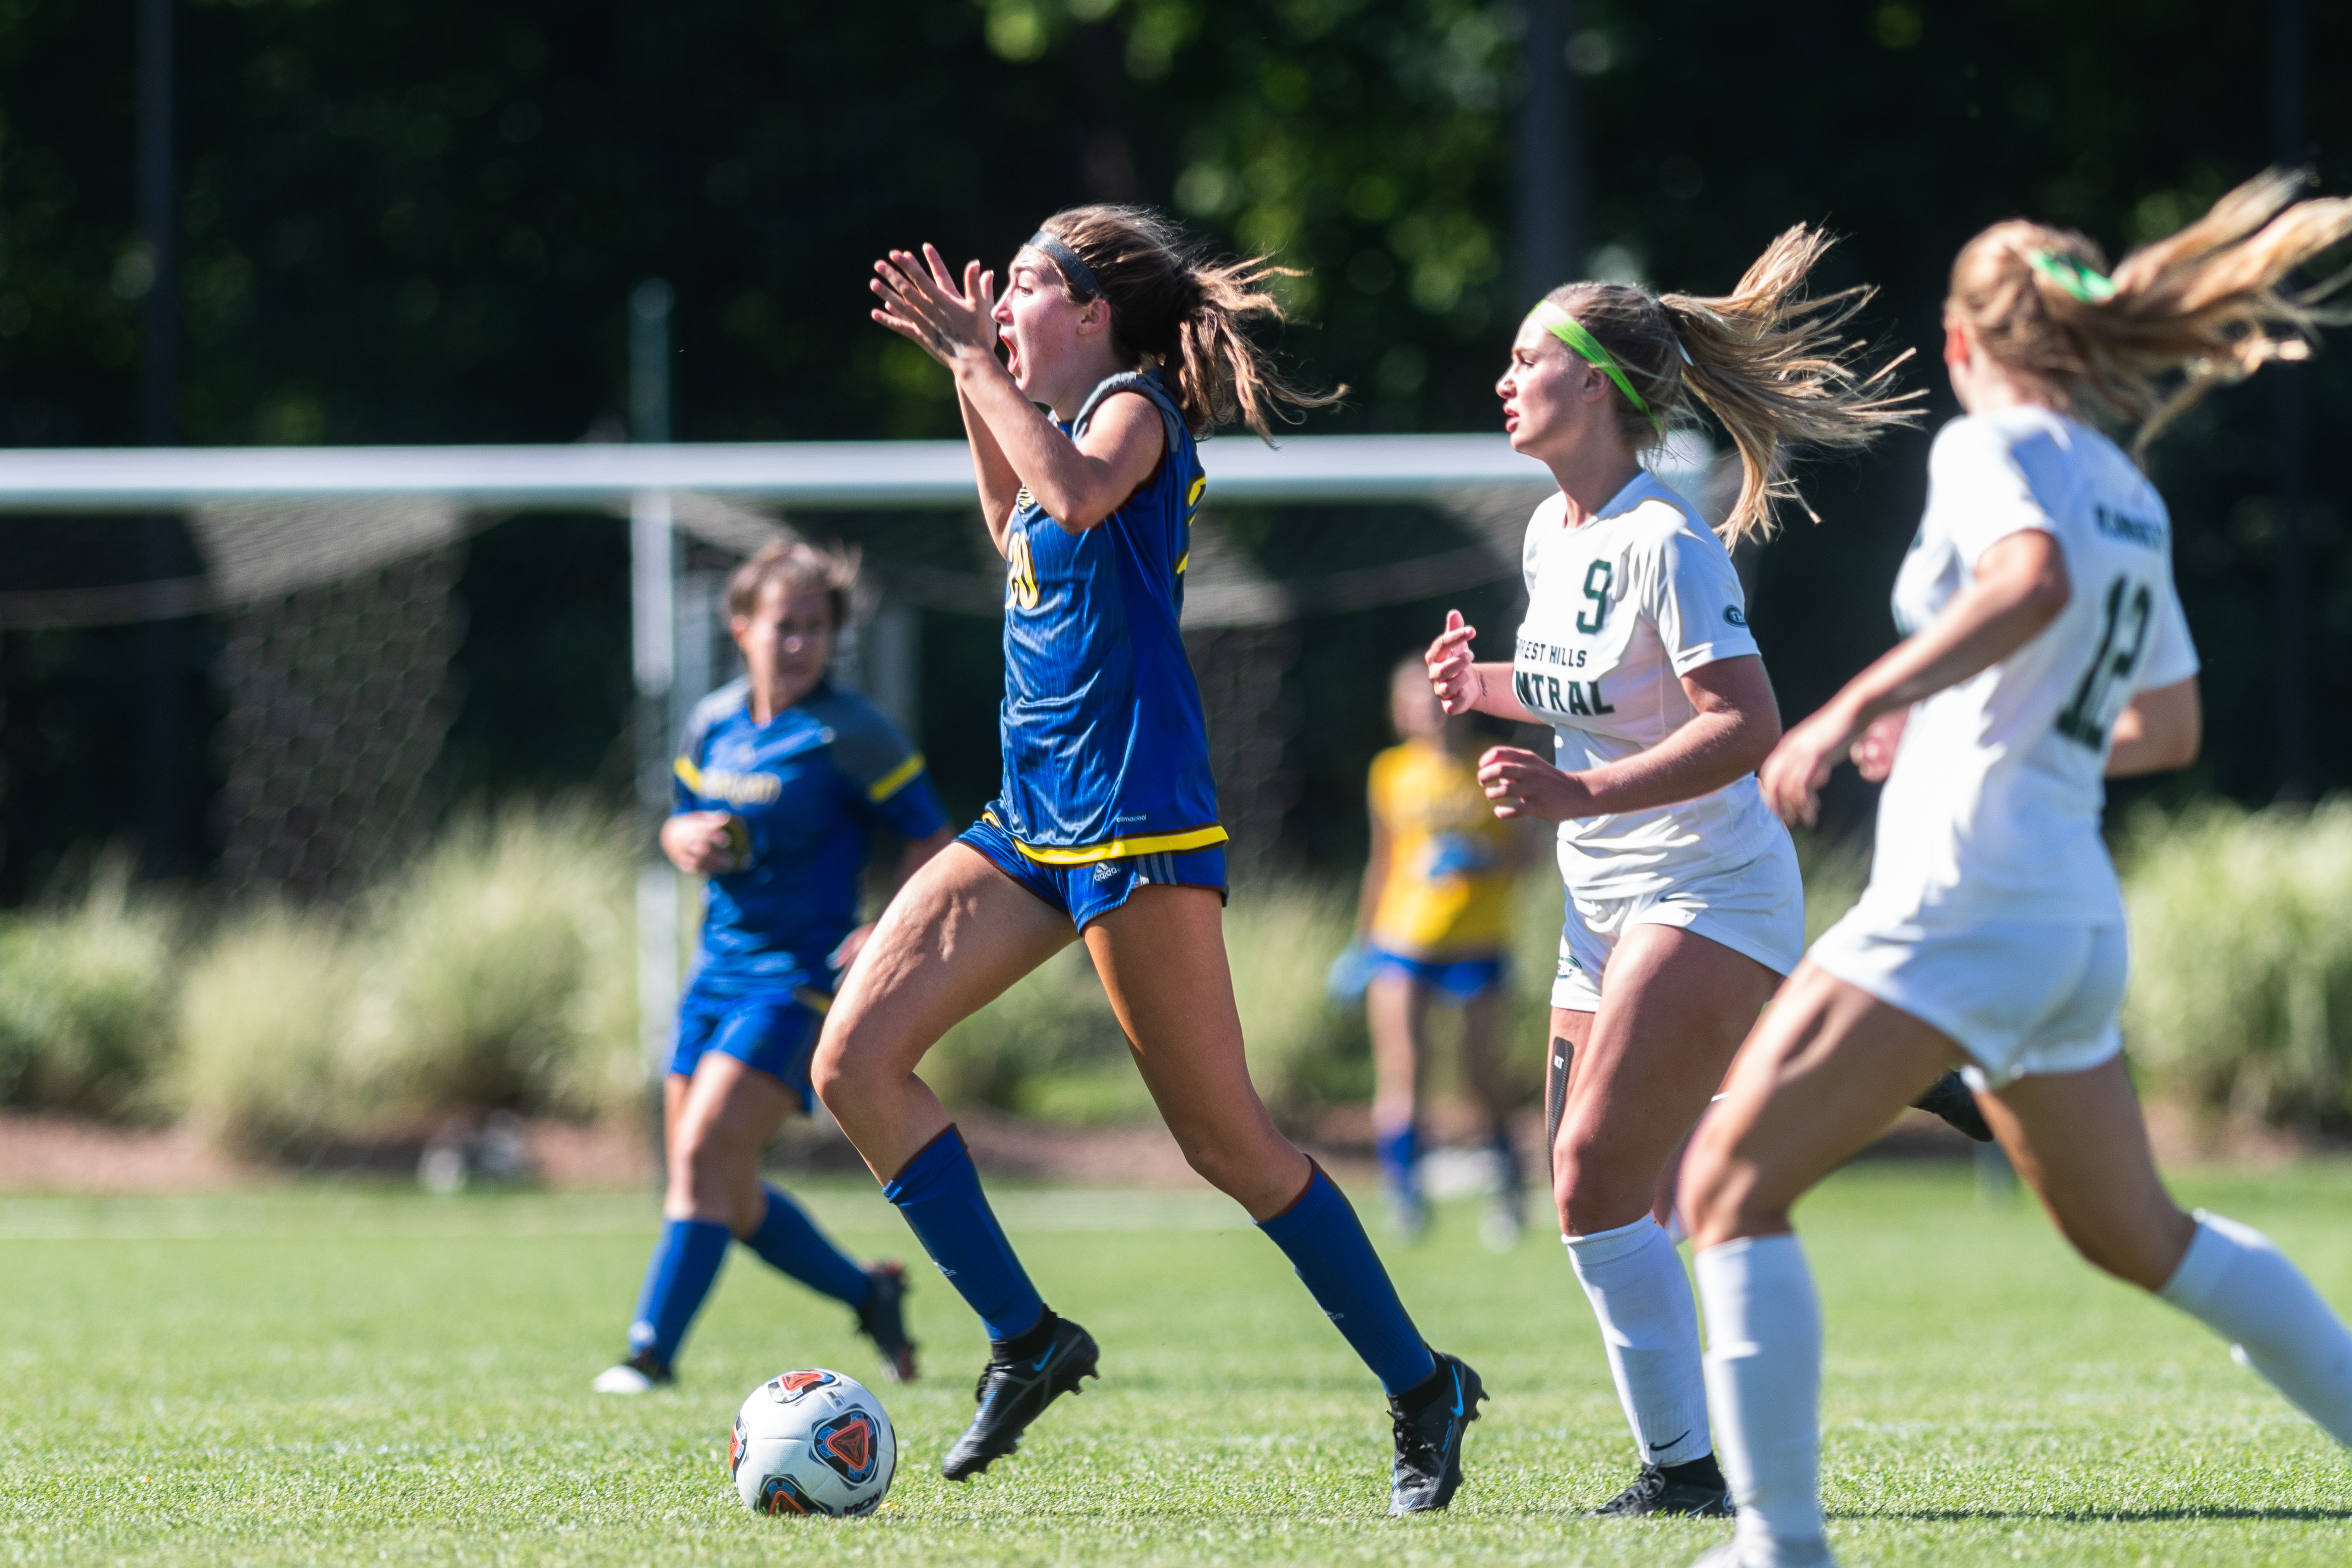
<point>333,1376</point>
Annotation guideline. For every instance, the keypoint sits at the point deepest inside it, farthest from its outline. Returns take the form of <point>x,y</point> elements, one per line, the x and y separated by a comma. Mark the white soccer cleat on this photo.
<point>622,1380</point>
<point>1770,1555</point>
<point>635,1376</point>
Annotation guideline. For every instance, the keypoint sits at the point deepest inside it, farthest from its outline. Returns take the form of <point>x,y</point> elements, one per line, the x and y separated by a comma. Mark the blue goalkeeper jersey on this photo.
<point>806,789</point>
<point>1106,752</point>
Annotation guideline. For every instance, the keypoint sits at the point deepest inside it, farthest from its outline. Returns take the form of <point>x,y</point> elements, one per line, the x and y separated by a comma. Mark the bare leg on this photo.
<point>1397,1013</point>
<point>1826,1068</point>
<point>1481,1062</point>
<point>1162,956</point>
<point>719,1123</point>
<point>1674,1007</point>
<point>2079,1141</point>
<point>1675,1010</point>
<point>958,933</point>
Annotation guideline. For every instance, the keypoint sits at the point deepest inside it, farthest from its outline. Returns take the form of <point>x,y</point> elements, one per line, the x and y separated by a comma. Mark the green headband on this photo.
<point>2072,275</point>
<point>1570,330</point>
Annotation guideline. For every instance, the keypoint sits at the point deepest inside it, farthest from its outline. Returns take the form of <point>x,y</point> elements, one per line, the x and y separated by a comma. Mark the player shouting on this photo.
<point>1685,905</point>
<point>1105,830</point>
<point>2046,650</point>
<point>780,783</point>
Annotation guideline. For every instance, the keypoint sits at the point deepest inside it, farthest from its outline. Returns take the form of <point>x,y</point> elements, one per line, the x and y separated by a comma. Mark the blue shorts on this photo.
<point>1462,979</point>
<point>769,1026</point>
<point>1089,892</point>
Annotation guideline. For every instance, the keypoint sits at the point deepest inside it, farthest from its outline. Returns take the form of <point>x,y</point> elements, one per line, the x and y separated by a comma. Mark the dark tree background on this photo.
<point>420,223</point>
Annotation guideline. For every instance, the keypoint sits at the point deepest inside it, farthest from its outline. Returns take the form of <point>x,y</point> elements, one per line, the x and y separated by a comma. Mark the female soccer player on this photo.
<point>1431,925</point>
<point>1685,905</point>
<point>2046,649</point>
<point>780,784</point>
<point>1106,828</point>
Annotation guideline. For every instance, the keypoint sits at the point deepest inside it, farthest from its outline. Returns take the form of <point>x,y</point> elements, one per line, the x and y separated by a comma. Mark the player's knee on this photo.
<point>833,1076</point>
<point>1589,1189</point>
<point>1722,1197</point>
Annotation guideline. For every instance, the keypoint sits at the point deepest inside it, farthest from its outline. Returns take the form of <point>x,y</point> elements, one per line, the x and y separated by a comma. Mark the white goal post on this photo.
<point>1476,480</point>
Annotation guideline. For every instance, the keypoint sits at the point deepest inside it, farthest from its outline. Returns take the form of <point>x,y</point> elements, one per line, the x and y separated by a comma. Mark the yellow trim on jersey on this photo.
<point>685,770</point>
<point>816,1000</point>
<point>1199,485</point>
<point>896,779</point>
<point>1183,561</point>
<point>1118,848</point>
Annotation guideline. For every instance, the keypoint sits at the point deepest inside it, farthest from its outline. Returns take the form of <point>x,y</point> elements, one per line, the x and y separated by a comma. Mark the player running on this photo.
<point>1431,926</point>
<point>1685,904</point>
<point>1106,830</point>
<point>779,786</point>
<point>2046,649</point>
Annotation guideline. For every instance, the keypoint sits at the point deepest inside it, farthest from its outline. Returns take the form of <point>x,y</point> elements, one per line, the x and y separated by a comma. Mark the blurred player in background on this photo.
<point>1432,926</point>
<point>1684,902</point>
<point>779,787</point>
<point>1105,830</point>
<point>2045,651</point>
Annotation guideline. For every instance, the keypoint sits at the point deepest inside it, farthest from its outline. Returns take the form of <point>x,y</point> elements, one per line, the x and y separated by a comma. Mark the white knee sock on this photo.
<point>1763,1377</point>
<point>1633,1278</point>
<point>2236,1283</point>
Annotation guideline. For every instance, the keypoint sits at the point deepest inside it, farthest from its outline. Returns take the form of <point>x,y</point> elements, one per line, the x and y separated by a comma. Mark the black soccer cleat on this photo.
<point>1948,1098</point>
<point>883,1319</point>
<point>1429,1437</point>
<point>1013,1395</point>
<point>1693,1490</point>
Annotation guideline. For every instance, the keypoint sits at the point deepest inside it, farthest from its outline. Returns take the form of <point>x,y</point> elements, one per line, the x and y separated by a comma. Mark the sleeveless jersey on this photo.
<point>1106,750</point>
<point>1619,611</point>
<point>1448,893</point>
<point>1992,809</point>
<point>807,788</point>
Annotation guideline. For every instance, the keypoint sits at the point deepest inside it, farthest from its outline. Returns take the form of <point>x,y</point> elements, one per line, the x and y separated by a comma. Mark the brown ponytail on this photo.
<point>1769,363</point>
<point>2188,313</point>
<point>1170,304</point>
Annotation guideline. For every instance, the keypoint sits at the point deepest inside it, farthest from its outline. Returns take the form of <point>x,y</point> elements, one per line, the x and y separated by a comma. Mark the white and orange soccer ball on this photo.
<point>813,1442</point>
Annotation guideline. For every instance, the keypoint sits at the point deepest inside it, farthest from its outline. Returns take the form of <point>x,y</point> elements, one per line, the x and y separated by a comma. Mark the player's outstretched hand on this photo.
<point>1522,784</point>
<point>1874,752</point>
<point>1452,672</point>
<point>1792,776</point>
<point>922,302</point>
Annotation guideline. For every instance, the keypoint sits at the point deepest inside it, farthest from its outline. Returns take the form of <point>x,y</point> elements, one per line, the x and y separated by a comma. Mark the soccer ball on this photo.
<point>811,1442</point>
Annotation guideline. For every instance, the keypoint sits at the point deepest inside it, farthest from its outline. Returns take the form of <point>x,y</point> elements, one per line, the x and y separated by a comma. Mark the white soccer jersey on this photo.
<point>1618,611</point>
<point>1992,809</point>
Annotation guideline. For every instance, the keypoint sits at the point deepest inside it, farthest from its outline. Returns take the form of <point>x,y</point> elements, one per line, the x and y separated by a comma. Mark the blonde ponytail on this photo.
<point>1170,304</point>
<point>2198,310</point>
<point>1770,364</point>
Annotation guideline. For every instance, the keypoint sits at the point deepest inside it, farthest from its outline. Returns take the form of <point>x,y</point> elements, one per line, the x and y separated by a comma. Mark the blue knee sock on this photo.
<point>789,1240</point>
<point>1398,1151</point>
<point>938,1192</point>
<point>685,1261</point>
<point>1326,1244</point>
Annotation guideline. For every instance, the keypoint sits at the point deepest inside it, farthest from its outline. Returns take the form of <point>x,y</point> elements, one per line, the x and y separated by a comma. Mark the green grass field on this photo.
<point>343,1376</point>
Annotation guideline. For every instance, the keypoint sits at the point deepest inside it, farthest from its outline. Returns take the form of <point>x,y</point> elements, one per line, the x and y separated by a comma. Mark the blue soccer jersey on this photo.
<point>806,789</point>
<point>1106,752</point>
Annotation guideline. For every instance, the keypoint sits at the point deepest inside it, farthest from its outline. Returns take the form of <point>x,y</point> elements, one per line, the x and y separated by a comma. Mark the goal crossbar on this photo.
<point>847,474</point>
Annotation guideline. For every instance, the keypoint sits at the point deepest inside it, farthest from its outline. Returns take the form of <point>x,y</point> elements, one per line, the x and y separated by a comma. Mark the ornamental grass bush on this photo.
<point>498,970</point>
<point>2241,998</point>
<point>85,1000</point>
<point>265,1061</point>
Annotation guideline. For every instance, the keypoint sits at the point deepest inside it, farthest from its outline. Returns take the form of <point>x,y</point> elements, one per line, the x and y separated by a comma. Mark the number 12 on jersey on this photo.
<point>2104,687</point>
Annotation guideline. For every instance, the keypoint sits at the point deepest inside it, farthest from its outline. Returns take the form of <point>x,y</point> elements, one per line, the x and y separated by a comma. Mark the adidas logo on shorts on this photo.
<point>1105,871</point>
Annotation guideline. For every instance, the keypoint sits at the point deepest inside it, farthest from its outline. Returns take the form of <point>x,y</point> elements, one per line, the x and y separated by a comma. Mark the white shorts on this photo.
<point>2021,997</point>
<point>1755,908</point>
